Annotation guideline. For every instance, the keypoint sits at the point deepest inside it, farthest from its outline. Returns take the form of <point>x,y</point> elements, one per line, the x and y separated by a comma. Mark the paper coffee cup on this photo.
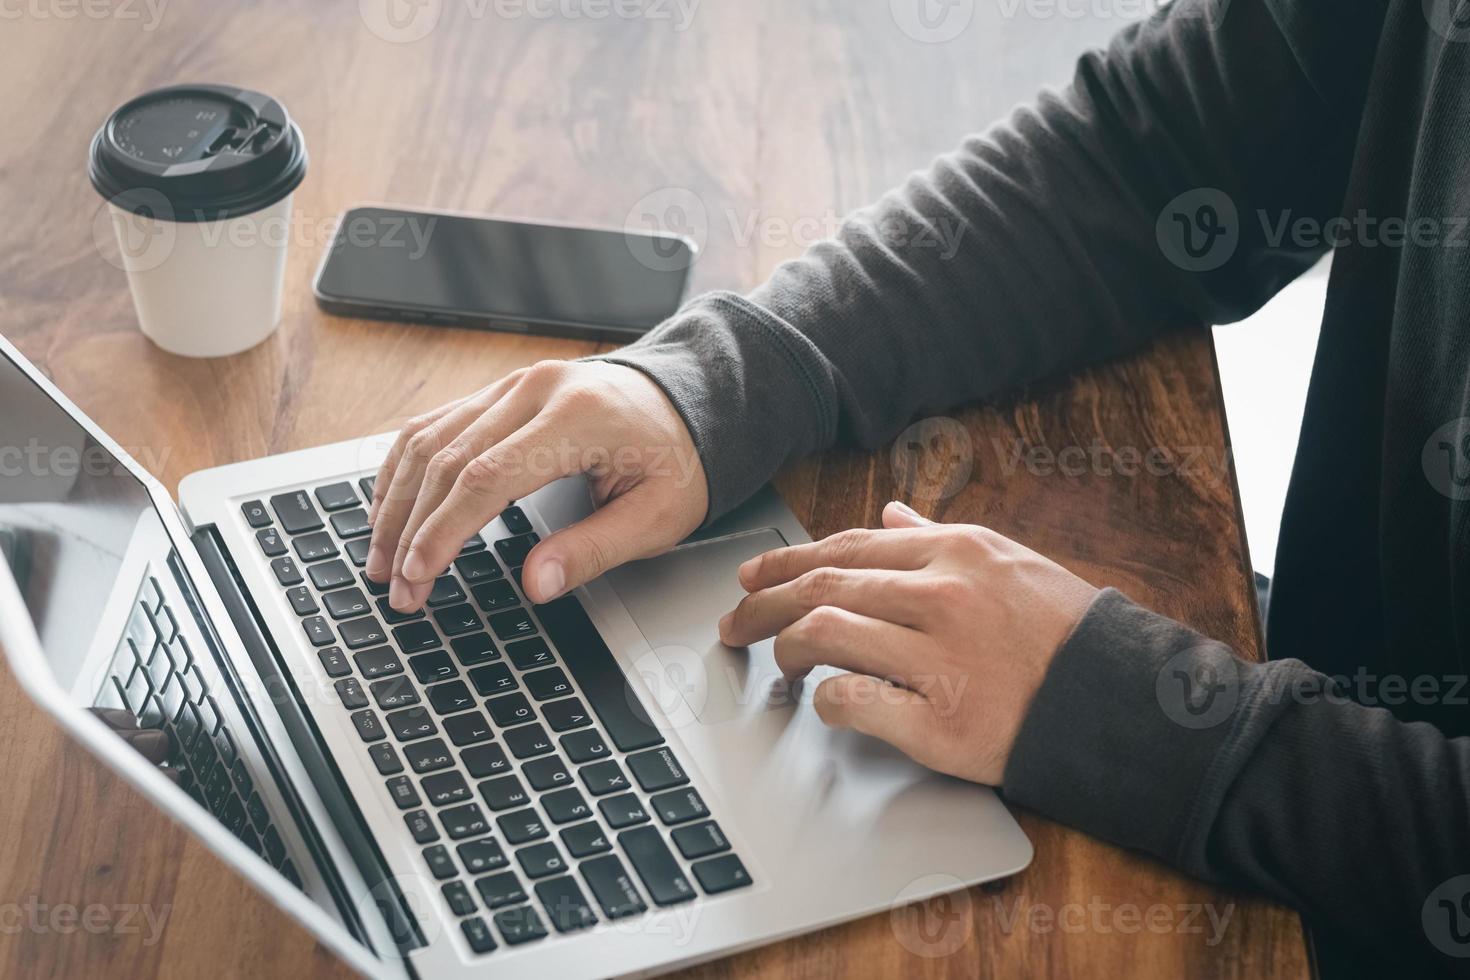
<point>198,182</point>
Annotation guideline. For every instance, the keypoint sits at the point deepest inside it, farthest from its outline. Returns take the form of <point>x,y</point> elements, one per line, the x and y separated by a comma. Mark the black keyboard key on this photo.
<point>565,905</point>
<point>651,858</point>
<point>477,934</point>
<point>679,806</point>
<point>485,760</point>
<point>357,550</point>
<point>700,840</point>
<point>657,770</point>
<point>512,623</point>
<point>404,793</point>
<point>623,810</point>
<point>445,591</point>
<point>502,889</point>
<point>601,778</point>
<point>492,679</point>
<point>393,693</point>
<point>563,716</point>
<point>478,568</point>
<point>366,485</point>
<point>368,726</point>
<point>415,637</point>
<point>513,551</point>
<point>445,788</point>
<point>330,575</point>
<point>350,693</point>
<point>411,723</point>
<point>385,758</point>
<point>318,632</point>
<point>430,668</point>
<point>482,856</point>
<point>566,805</point>
<point>441,865</point>
<point>521,827</point>
<point>286,571</point>
<point>530,654</point>
<point>512,709</point>
<point>296,512</point>
<point>613,887</point>
<point>315,547</point>
<point>346,603</point>
<point>373,588</point>
<point>393,617</point>
<point>270,543</point>
<point>457,894</point>
<point>540,860</point>
<point>547,684</point>
<point>599,676</point>
<point>334,661</point>
<point>255,513</point>
<point>364,632</point>
<point>336,496</point>
<point>464,821</point>
<point>255,806</point>
<point>351,524</point>
<point>519,925</point>
<point>585,746</point>
<point>503,793</point>
<point>721,874</point>
<point>275,848</point>
<point>495,596</point>
<point>584,839</point>
<point>547,772</point>
<point>457,620</point>
<point>528,741</point>
<point>474,649</point>
<point>467,729</point>
<point>450,698</point>
<point>429,756</point>
<point>516,521</point>
<point>421,827</point>
<point>233,816</point>
<point>378,662</point>
<point>473,545</point>
<point>303,603</point>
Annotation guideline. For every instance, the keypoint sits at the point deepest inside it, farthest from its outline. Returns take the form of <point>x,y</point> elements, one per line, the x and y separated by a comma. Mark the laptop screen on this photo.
<point>68,512</point>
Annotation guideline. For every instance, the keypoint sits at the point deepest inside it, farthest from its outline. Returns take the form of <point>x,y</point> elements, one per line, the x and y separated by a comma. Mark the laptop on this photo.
<point>592,787</point>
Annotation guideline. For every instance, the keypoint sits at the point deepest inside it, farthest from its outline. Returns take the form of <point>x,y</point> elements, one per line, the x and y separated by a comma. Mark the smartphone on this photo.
<point>488,273</point>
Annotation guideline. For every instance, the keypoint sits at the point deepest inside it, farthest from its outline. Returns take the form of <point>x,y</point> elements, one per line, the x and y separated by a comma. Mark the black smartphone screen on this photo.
<point>473,271</point>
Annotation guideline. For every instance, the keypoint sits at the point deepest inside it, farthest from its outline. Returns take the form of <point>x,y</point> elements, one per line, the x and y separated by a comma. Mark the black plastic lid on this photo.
<point>203,152</point>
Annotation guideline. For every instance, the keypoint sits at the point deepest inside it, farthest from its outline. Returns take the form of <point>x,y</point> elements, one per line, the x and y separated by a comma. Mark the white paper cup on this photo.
<point>198,181</point>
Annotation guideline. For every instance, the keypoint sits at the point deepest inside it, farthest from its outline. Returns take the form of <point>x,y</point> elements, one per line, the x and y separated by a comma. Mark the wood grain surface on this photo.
<point>752,124</point>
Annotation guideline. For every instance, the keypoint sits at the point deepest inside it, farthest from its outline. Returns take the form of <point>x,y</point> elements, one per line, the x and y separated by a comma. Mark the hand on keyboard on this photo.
<point>453,470</point>
<point>150,743</point>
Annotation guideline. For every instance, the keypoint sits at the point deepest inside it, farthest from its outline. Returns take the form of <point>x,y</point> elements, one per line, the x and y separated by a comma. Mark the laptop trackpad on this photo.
<point>677,600</point>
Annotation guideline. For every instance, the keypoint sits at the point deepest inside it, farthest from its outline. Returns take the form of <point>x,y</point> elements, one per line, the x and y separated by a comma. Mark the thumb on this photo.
<point>898,514</point>
<point>619,531</point>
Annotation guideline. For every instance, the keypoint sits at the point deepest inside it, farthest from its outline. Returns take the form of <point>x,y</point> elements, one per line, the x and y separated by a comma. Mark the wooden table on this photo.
<point>772,118</point>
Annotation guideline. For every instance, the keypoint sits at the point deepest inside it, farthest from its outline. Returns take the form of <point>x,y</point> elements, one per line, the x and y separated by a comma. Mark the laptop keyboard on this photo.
<point>155,675</point>
<point>477,719</point>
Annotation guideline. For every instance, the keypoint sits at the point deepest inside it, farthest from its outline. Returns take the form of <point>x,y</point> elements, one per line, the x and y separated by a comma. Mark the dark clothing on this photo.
<point>1073,250</point>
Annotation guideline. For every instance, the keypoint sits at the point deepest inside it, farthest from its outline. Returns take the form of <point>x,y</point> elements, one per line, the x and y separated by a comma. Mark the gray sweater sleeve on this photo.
<point>1028,250</point>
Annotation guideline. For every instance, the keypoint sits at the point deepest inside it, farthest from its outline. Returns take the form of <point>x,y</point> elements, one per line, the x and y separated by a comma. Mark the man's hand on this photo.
<point>150,743</point>
<point>948,630</point>
<point>453,470</point>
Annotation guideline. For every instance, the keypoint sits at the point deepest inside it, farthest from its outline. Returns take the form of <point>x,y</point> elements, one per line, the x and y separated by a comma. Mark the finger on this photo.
<point>833,637</point>
<point>902,718</point>
<point>880,594</point>
<point>150,743</point>
<point>494,425</point>
<point>624,529</point>
<point>899,514</point>
<point>485,487</point>
<point>389,465</point>
<point>396,495</point>
<point>900,549</point>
